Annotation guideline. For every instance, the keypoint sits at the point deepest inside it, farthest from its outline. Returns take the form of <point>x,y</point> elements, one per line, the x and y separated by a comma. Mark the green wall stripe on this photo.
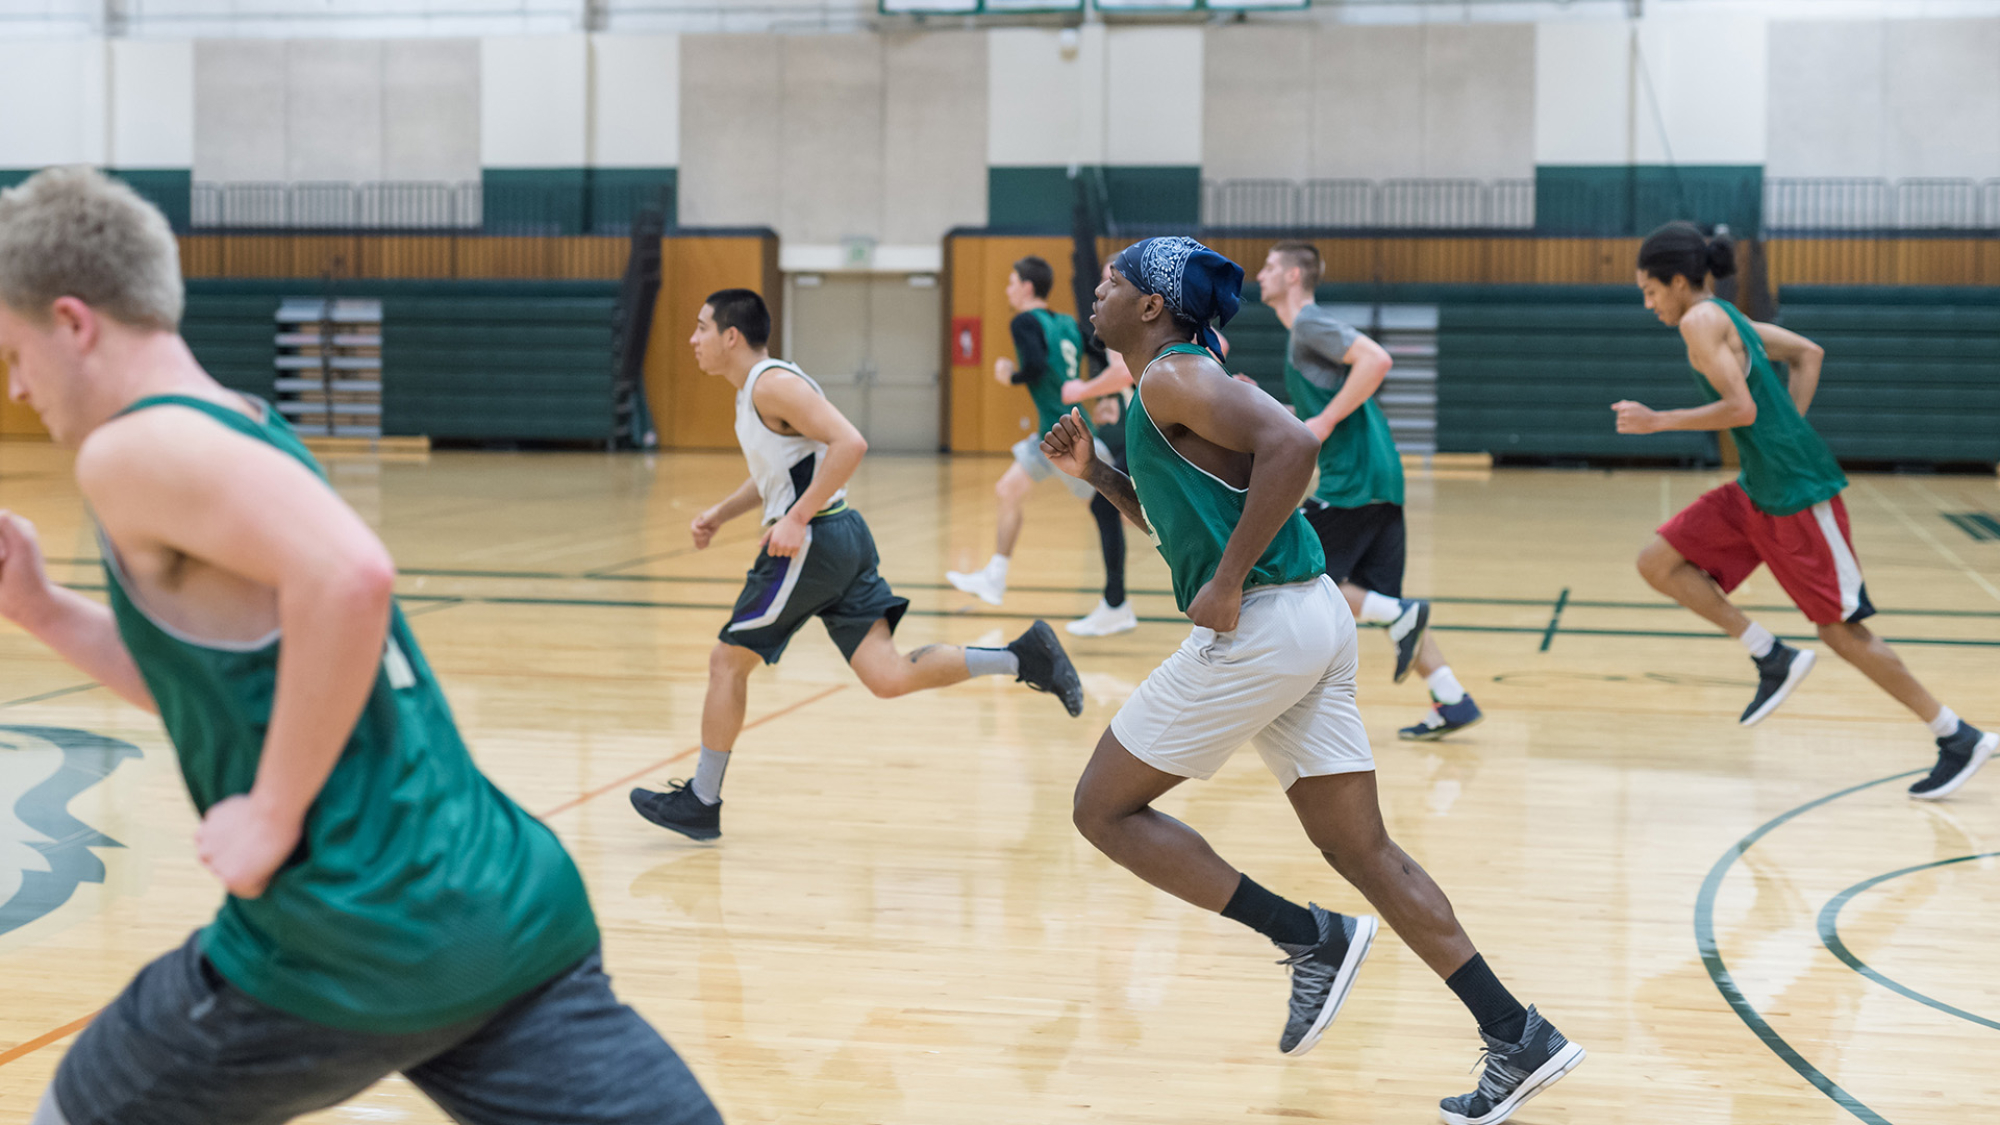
<point>1040,198</point>
<point>1627,200</point>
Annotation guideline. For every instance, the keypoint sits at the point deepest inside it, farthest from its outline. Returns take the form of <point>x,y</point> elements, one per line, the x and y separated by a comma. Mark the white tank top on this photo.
<point>782,465</point>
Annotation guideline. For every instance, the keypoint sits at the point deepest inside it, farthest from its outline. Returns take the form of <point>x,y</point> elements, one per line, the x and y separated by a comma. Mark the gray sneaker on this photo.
<point>1318,988</point>
<point>1514,1073</point>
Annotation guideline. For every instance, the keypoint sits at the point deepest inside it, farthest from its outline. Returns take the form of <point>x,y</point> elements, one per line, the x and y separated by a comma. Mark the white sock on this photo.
<point>1445,687</point>
<point>1379,610</point>
<point>1758,640</point>
<point>1946,723</point>
<point>708,771</point>
<point>996,569</point>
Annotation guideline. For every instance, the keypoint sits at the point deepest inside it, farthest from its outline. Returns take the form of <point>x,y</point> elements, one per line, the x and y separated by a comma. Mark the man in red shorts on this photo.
<point>1784,511</point>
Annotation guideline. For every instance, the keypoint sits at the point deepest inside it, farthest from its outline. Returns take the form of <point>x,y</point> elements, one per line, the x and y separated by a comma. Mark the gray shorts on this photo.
<point>1028,454</point>
<point>182,1046</point>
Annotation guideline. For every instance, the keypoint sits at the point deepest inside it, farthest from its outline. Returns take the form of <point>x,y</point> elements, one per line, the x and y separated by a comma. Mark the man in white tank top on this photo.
<point>818,560</point>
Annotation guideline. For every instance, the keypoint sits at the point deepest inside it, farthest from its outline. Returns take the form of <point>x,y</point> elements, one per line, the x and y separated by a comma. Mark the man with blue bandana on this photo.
<point>1217,470</point>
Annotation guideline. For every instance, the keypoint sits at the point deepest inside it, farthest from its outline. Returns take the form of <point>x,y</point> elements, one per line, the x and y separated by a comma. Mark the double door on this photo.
<point>871,340</point>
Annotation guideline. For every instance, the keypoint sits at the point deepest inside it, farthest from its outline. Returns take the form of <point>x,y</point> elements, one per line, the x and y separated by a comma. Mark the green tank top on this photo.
<point>420,894</point>
<point>1193,513</point>
<point>1065,359</point>
<point>1786,467</point>
<point>1358,462</point>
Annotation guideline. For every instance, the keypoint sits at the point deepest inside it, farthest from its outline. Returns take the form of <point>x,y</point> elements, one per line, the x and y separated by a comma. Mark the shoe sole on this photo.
<point>1807,658</point>
<point>1434,735</point>
<point>1365,929</point>
<point>964,585</point>
<point>690,833</point>
<point>1980,753</point>
<point>1548,1075</point>
<point>1415,637</point>
<point>1124,627</point>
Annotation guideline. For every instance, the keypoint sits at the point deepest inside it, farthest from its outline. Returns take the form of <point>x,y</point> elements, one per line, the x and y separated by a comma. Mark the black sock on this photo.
<point>1272,916</point>
<point>1111,539</point>
<point>1499,1014</point>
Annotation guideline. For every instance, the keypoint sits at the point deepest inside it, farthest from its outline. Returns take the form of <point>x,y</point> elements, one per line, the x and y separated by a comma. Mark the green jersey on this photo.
<point>1193,513</point>
<point>1358,462</point>
<point>419,895</point>
<point>1786,467</point>
<point>1054,345</point>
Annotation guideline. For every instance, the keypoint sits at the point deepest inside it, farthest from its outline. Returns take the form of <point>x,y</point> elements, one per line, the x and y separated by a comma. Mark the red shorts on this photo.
<point>1810,553</point>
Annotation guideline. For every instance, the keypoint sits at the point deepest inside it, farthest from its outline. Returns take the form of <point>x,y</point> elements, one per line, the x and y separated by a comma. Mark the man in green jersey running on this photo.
<point>388,909</point>
<point>1783,512</point>
<point>1217,471</point>
<point>1048,347</point>
<point>1332,373</point>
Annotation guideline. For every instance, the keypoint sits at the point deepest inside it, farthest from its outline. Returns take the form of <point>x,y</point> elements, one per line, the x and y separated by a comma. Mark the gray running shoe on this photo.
<point>1319,988</point>
<point>1514,1073</point>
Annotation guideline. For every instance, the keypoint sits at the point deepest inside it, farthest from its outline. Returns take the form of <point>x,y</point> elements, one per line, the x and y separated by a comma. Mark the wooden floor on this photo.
<point>902,926</point>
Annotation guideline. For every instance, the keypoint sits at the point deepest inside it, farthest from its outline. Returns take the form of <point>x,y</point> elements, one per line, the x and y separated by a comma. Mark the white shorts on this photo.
<point>1283,681</point>
<point>1028,454</point>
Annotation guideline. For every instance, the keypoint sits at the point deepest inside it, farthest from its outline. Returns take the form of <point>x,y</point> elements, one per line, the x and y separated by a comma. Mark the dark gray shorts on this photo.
<point>833,578</point>
<point>182,1046</point>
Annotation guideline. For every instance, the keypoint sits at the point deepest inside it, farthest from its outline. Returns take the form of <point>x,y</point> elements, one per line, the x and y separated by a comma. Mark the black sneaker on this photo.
<point>1046,667</point>
<point>1778,672</point>
<point>1514,1073</point>
<point>1443,719</point>
<point>1960,754</point>
<point>1407,630</point>
<point>679,809</point>
<point>1319,988</point>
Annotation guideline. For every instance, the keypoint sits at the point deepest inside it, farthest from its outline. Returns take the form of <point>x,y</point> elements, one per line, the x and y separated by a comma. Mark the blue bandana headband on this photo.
<point>1199,285</point>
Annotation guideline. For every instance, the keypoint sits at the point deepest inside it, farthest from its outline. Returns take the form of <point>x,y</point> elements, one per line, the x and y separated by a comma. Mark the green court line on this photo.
<point>437,603</point>
<point>1829,935</point>
<point>73,689</point>
<point>1555,619</point>
<point>1718,973</point>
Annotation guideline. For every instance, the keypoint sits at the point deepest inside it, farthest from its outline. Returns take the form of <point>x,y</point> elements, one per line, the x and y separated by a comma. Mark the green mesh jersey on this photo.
<point>1786,467</point>
<point>420,894</point>
<point>1065,360</point>
<point>1193,513</point>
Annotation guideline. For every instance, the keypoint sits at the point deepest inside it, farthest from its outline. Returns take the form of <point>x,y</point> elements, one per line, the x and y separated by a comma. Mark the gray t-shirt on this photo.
<point>1319,339</point>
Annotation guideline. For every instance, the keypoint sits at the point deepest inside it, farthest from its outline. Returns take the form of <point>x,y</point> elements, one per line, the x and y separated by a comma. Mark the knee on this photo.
<point>1094,822</point>
<point>1655,565</point>
<point>726,662</point>
<point>882,683</point>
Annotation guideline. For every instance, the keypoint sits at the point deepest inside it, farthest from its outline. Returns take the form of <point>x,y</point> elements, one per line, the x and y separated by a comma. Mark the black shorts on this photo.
<point>1364,545</point>
<point>832,578</point>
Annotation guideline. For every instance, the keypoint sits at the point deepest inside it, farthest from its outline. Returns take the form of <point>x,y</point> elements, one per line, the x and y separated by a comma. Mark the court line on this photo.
<point>46,1038</point>
<point>1555,619</point>
<point>672,758</point>
<point>1829,935</point>
<point>73,689</point>
<point>1718,972</point>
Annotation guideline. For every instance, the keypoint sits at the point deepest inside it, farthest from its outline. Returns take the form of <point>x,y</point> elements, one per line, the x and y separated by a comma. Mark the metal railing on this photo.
<point>1404,204</point>
<point>1856,204</point>
<point>464,208</point>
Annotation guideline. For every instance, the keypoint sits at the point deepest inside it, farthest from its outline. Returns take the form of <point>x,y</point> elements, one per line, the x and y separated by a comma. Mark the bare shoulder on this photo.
<point>154,454</point>
<point>1704,322</point>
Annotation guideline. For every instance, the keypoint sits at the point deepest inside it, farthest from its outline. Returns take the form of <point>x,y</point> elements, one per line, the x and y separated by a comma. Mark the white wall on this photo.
<point>1035,97</point>
<point>533,101</point>
<point>635,100</point>
<point>152,103</point>
<point>54,99</point>
<point>1153,97</point>
<point>1596,86</point>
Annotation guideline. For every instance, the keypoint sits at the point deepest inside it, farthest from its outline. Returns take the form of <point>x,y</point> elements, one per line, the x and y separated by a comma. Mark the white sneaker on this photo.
<point>979,583</point>
<point>1104,621</point>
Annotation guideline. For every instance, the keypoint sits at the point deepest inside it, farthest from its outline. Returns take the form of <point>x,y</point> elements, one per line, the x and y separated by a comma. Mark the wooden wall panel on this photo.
<point>984,416</point>
<point>691,408</point>
<point>392,256</point>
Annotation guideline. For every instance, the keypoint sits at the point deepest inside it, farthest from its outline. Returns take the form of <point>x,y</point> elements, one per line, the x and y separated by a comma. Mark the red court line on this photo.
<point>74,1026</point>
<point>671,759</point>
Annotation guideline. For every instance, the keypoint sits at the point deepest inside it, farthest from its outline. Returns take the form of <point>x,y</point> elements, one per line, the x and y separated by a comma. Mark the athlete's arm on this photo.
<point>1196,395</point>
<point>1069,447</point>
<point>1368,364</point>
<point>1031,346</point>
<point>791,401</point>
<point>1800,356</point>
<point>1110,381</point>
<point>1706,332</point>
<point>172,480</point>
<point>705,525</point>
<point>80,631</point>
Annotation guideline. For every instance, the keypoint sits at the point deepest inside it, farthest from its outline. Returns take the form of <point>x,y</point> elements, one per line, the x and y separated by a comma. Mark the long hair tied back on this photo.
<point>1681,250</point>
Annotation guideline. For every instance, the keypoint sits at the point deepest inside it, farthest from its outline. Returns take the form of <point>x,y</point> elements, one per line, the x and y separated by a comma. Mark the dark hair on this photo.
<point>1037,273</point>
<point>1681,250</point>
<point>1305,256</point>
<point>743,310</point>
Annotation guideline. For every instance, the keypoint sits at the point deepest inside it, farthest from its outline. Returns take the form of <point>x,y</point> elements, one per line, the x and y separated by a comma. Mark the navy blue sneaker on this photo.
<point>1960,754</point>
<point>1778,672</point>
<point>1443,719</point>
<point>679,809</point>
<point>1407,630</point>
